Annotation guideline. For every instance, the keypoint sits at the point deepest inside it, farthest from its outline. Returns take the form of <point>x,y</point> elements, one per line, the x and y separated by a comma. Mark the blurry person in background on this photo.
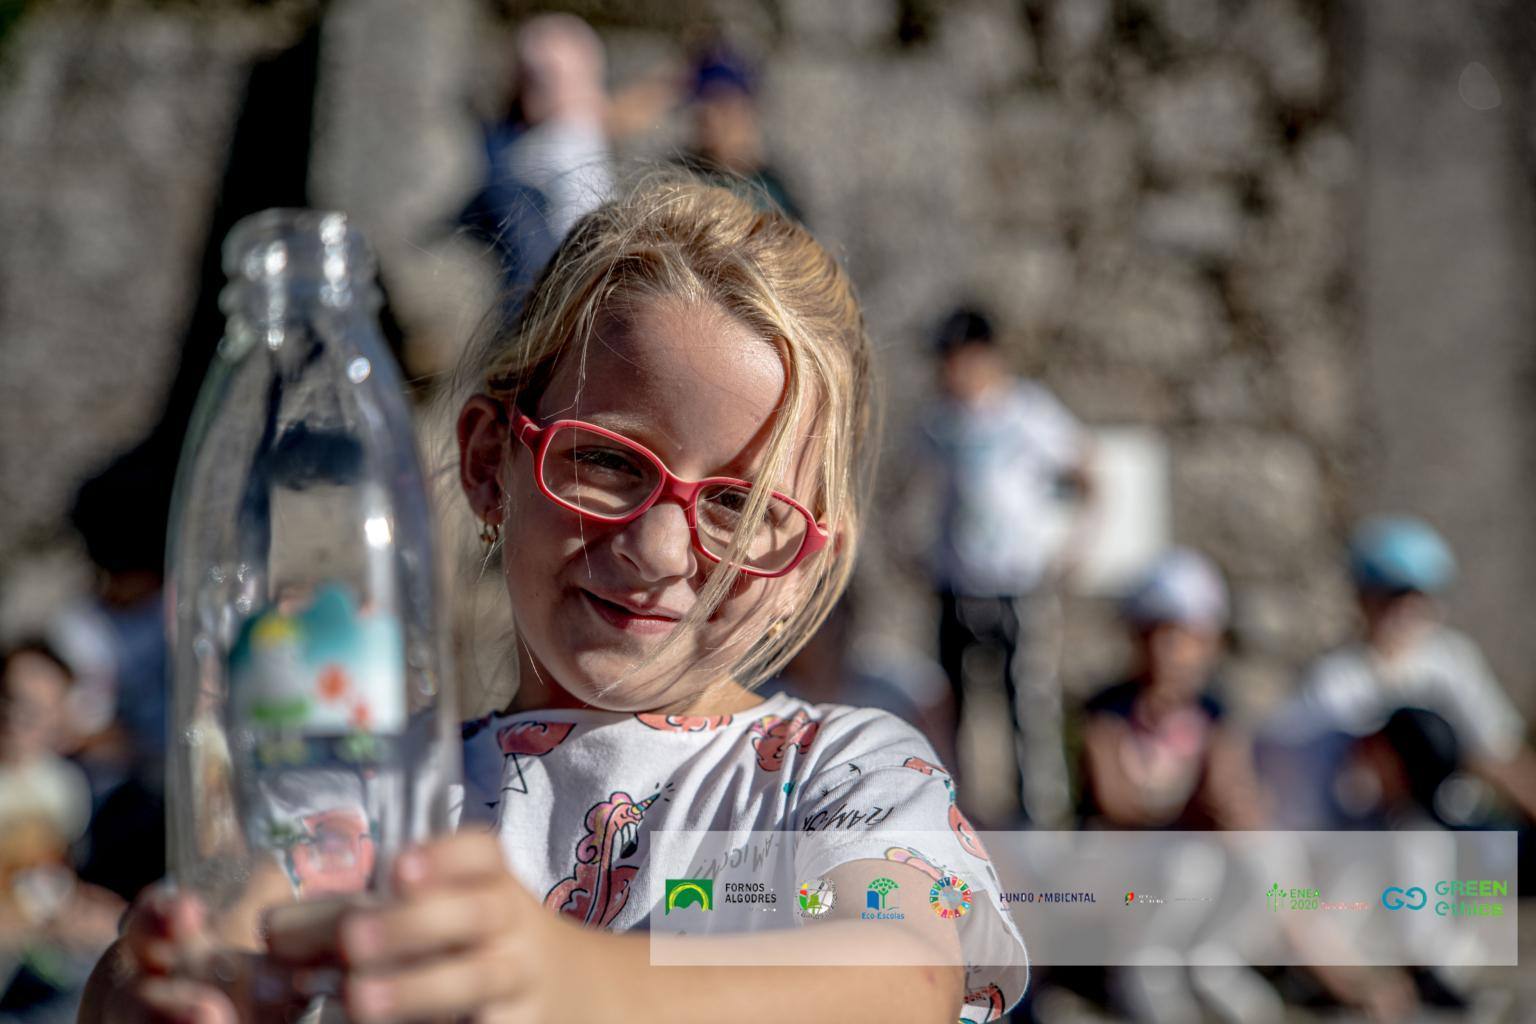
<point>728,144</point>
<point>548,159</point>
<point>52,925</point>
<point>1407,657</point>
<point>839,667</point>
<point>1409,775</point>
<point>115,636</point>
<point>1392,778</point>
<point>1006,458</point>
<point>1158,749</point>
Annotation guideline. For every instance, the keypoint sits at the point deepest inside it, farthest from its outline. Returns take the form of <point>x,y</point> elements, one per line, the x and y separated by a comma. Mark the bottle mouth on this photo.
<point>296,243</point>
<point>294,256</point>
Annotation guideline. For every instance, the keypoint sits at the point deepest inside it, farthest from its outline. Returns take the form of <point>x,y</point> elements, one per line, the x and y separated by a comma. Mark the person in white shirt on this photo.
<point>1011,465</point>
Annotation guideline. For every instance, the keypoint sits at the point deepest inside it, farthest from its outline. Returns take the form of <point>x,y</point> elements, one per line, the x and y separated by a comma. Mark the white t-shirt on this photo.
<point>569,163</point>
<point>1353,690</point>
<point>574,793</point>
<point>1001,463</point>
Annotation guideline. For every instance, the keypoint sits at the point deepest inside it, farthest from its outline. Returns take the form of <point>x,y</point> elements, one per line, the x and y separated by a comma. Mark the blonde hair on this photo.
<point>673,235</point>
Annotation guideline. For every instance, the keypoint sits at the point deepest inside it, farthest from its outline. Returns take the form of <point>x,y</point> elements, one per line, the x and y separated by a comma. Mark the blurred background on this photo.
<point>1252,272</point>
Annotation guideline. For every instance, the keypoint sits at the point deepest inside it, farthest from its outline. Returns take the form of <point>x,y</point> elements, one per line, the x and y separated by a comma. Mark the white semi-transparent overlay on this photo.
<point>1101,898</point>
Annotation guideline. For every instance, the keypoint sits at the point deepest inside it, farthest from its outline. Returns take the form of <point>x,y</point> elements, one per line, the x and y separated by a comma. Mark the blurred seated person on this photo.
<point>1158,750</point>
<point>1406,657</point>
<point>728,142</point>
<point>52,926</point>
<point>1393,778</point>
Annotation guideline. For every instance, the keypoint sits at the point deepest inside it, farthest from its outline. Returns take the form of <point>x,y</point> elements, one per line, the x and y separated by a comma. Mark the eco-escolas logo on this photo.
<point>690,892</point>
<point>878,903</point>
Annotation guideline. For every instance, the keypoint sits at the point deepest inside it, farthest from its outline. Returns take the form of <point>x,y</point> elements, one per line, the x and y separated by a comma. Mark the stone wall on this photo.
<point>112,135</point>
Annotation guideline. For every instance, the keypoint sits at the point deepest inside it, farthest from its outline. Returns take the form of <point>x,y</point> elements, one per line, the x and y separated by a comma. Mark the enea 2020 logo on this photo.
<point>950,897</point>
<point>690,892</point>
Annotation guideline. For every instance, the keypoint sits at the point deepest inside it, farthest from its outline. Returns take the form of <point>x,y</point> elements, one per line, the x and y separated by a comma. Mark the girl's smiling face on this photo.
<point>592,600</point>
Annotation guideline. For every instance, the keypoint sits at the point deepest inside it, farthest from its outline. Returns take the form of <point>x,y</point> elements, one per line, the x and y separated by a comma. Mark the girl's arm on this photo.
<point>466,938</point>
<point>836,969</point>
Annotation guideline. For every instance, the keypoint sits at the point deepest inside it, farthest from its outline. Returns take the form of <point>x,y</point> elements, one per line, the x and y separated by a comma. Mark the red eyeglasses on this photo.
<point>609,478</point>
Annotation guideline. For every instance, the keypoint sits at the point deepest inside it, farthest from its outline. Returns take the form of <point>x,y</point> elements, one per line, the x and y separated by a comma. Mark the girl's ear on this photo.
<point>842,537</point>
<point>482,443</point>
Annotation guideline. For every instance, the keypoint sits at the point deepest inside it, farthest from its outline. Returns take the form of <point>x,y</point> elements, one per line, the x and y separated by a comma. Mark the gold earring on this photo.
<point>490,533</point>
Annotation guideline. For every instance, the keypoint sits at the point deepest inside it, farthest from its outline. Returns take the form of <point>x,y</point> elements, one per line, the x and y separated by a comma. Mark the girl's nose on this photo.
<point>658,545</point>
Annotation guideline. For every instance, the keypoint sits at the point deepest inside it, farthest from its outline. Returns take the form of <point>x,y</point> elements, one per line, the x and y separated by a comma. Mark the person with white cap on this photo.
<point>1158,750</point>
<point>1407,657</point>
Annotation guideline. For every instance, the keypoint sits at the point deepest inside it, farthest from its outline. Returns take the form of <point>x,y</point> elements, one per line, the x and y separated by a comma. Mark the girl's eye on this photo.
<point>605,460</point>
<point>732,501</point>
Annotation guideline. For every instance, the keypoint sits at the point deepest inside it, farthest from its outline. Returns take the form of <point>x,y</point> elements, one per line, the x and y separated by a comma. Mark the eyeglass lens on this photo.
<point>608,478</point>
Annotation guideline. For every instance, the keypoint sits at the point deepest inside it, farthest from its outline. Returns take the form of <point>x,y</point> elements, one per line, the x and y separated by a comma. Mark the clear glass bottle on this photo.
<point>314,730</point>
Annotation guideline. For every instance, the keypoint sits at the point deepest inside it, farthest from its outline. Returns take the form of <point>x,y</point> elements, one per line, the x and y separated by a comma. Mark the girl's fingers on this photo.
<point>163,927</point>
<point>458,859</point>
<point>184,1002</point>
<point>307,932</point>
<point>466,865</point>
<point>444,987</point>
<point>437,921</point>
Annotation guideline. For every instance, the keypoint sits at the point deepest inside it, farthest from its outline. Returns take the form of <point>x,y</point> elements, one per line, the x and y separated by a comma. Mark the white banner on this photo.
<point>1090,898</point>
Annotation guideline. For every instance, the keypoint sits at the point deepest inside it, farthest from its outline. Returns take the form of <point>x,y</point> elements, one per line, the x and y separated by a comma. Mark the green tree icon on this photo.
<point>882,887</point>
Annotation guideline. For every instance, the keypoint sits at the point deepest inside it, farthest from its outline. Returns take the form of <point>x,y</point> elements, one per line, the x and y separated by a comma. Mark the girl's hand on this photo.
<point>176,962</point>
<point>461,938</point>
<point>141,977</point>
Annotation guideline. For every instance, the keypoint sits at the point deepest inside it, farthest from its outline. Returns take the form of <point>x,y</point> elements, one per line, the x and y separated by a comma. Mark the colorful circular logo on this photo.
<point>950,897</point>
<point>815,897</point>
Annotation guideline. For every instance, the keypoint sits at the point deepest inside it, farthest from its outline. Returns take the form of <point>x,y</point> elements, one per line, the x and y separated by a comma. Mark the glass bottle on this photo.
<point>313,729</point>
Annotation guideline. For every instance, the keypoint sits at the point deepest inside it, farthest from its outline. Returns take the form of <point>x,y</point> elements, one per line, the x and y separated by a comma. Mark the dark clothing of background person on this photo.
<point>1205,713</point>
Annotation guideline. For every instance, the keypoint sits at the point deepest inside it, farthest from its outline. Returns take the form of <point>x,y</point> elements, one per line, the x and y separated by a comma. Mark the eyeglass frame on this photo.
<point>671,486</point>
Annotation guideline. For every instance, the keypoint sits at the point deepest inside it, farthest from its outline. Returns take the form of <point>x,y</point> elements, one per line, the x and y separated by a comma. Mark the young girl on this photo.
<point>668,452</point>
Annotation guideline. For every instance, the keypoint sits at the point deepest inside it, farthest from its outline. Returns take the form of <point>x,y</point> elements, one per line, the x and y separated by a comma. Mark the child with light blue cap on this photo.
<point>1407,657</point>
